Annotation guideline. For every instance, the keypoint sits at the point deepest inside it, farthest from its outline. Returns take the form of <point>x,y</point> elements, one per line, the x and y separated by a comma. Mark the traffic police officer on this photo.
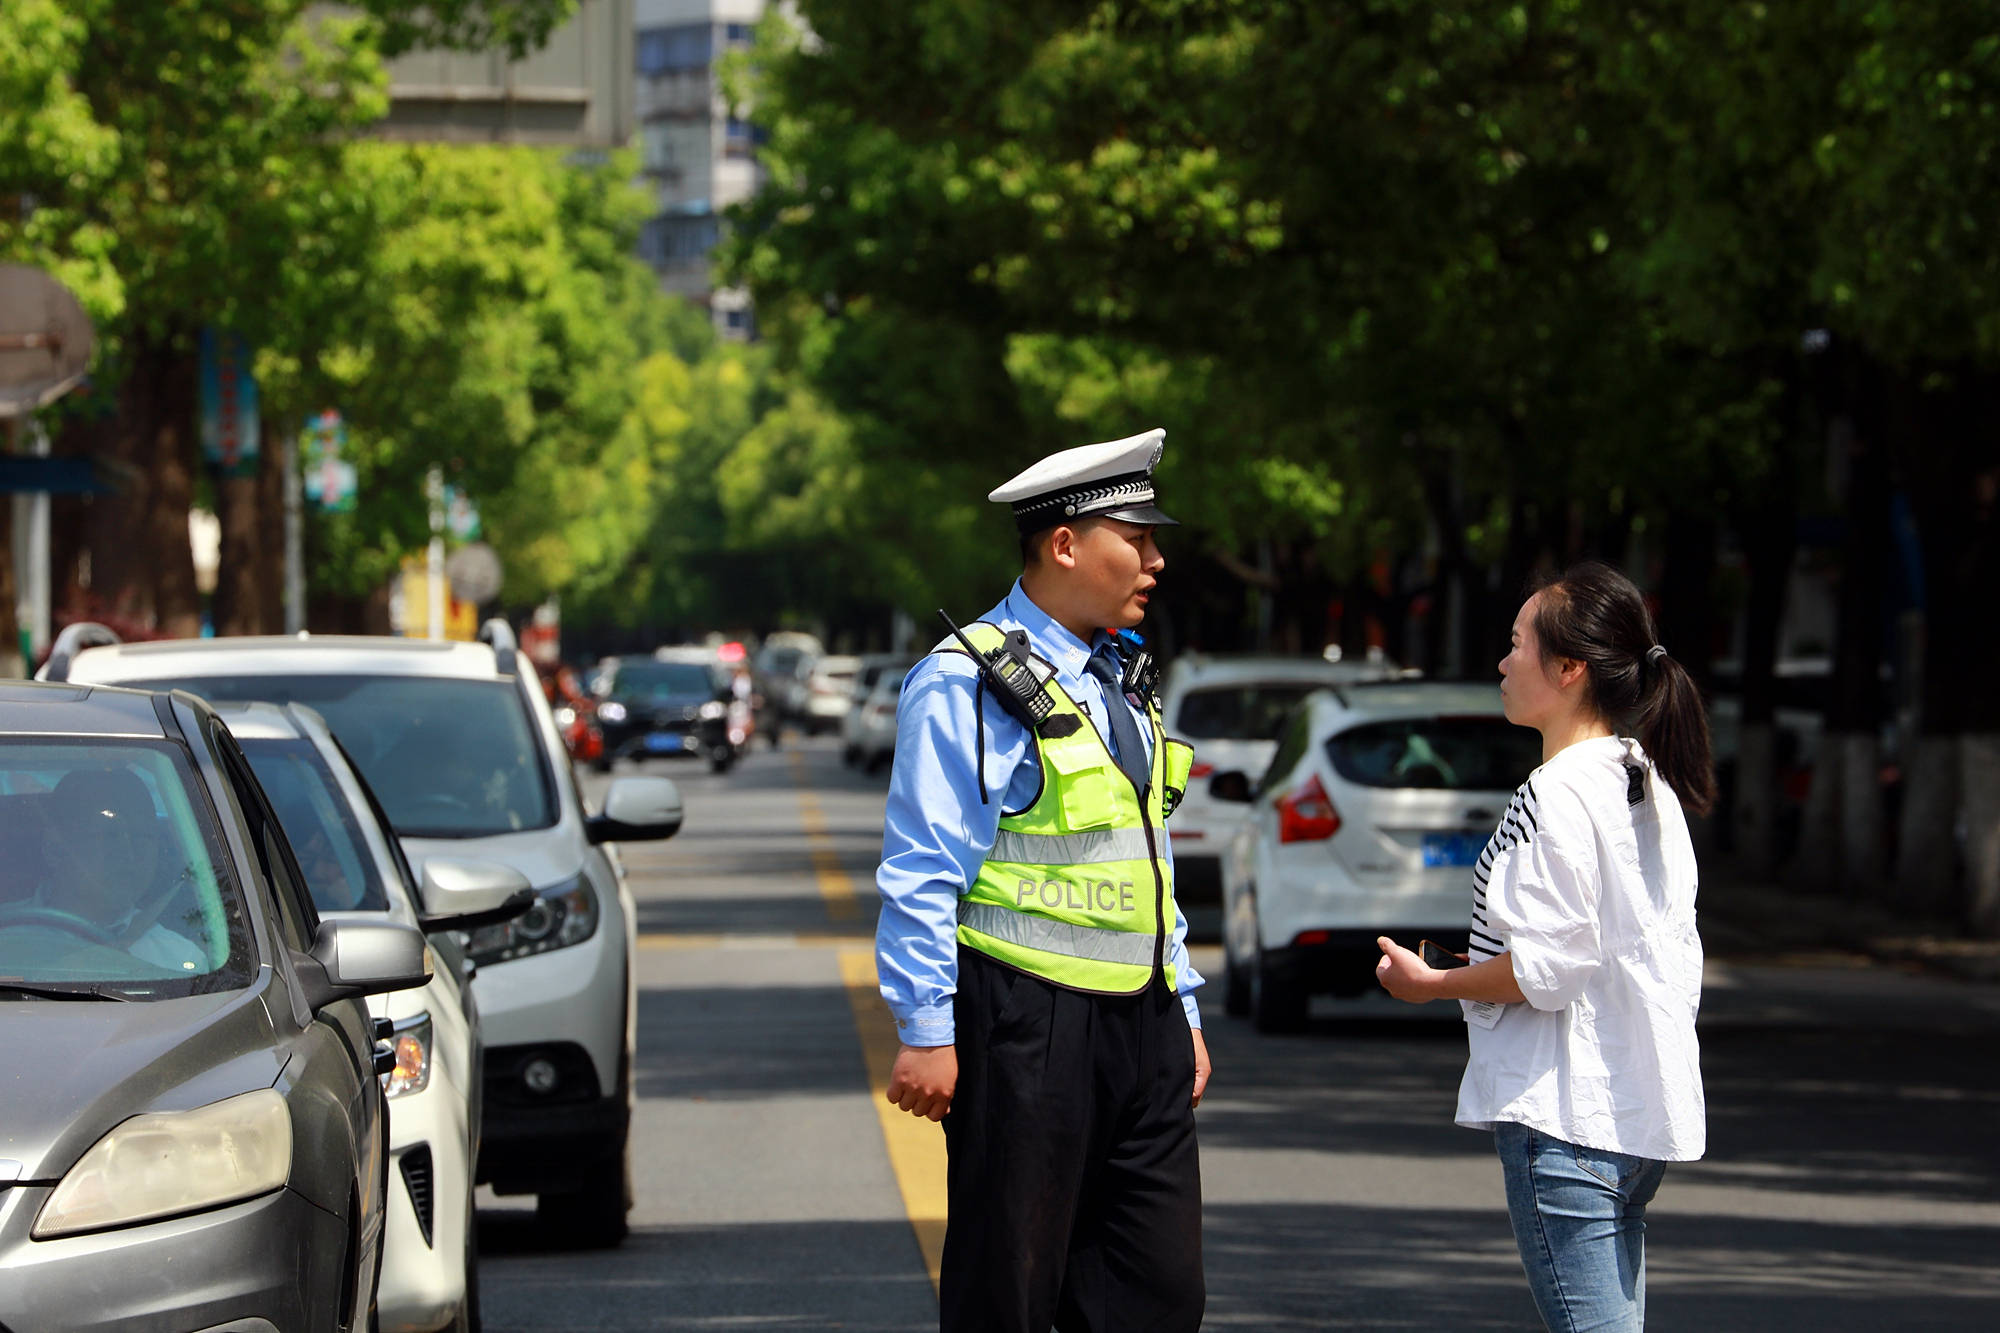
<point>1029,944</point>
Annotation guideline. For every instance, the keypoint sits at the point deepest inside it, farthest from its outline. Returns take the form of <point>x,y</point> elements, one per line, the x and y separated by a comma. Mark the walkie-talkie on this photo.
<point>1018,679</point>
<point>1142,672</point>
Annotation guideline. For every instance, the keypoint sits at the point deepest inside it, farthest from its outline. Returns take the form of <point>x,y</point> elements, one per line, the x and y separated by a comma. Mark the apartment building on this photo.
<point>696,156</point>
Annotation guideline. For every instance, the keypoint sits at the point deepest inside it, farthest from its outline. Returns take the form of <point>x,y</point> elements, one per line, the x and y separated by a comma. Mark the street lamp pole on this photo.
<point>436,560</point>
<point>295,558</point>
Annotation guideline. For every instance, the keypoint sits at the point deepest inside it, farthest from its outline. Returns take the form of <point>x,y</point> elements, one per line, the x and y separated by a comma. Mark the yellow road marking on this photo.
<point>834,884</point>
<point>749,940</point>
<point>916,1146</point>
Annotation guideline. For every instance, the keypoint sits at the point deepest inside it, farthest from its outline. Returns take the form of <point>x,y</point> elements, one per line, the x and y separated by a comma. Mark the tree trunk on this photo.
<point>237,609</point>
<point>1927,854</point>
<point>1979,780</point>
<point>1846,851</point>
<point>1687,582</point>
<point>11,661</point>
<point>1770,545</point>
<point>271,531</point>
<point>176,599</point>
<point>1953,477</point>
<point>121,584</point>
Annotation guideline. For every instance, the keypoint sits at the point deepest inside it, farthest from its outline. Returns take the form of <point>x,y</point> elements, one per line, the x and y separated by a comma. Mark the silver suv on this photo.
<point>459,745</point>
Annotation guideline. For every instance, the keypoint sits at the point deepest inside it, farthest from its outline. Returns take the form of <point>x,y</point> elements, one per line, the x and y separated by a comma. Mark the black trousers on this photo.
<point>1074,1179</point>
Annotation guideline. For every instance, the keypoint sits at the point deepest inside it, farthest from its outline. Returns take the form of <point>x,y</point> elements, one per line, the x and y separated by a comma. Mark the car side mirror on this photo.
<point>1232,786</point>
<point>637,810</point>
<point>465,895</point>
<point>355,958</point>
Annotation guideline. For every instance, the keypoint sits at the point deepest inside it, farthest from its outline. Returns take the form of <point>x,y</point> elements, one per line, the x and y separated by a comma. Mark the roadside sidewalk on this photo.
<point>1741,919</point>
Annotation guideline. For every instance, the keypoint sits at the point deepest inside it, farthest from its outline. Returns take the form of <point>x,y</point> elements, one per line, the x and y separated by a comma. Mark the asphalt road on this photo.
<point>1852,1183</point>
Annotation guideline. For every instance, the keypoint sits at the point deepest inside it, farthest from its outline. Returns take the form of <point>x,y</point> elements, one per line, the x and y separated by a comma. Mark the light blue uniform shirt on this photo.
<point>936,832</point>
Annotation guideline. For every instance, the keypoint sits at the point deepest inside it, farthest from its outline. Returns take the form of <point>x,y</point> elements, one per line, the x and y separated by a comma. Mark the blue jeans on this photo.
<point>1579,1217</point>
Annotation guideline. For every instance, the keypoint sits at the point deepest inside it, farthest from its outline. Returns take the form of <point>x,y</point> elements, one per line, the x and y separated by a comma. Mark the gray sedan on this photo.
<point>192,1131</point>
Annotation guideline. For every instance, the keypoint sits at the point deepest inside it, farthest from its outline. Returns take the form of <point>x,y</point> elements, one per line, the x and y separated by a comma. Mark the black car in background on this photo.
<point>649,708</point>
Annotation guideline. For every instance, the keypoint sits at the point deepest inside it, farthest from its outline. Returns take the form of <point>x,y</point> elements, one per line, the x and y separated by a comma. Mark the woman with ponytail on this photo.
<point>1585,970</point>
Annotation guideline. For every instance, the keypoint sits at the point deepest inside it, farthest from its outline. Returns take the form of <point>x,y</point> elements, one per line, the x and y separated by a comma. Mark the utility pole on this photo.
<point>295,556</point>
<point>436,560</point>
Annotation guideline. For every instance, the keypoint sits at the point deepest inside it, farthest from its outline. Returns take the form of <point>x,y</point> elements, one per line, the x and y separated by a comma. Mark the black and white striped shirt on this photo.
<point>1517,827</point>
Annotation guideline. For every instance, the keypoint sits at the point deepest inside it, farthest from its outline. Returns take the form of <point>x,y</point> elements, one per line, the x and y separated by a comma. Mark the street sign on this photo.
<point>475,573</point>
<point>461,515</point>
<point>330,480</point>
<point>228,404</point>
<point>45,340</point>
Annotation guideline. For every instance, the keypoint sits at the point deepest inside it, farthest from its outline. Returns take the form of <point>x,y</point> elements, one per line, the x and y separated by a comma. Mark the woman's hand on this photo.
<point>1403,974</point>
<point>1411,979</point>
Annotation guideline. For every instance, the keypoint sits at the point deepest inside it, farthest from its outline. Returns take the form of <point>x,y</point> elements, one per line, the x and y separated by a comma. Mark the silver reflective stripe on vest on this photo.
<point>1070,849</point>
<point>1059,937</point>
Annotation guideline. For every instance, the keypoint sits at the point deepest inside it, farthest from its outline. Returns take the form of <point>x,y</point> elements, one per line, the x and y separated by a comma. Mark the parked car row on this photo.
<point>256,836</point>
<point>868,725</point>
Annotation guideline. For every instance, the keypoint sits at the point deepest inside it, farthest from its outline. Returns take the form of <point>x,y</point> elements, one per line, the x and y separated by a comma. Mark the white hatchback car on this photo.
<point>1367,821</point>
<point>829,691</point>
<point>874,727</point>
<point>461,749</point>
<point>354,867</point>
<point>1229,708</point>
<point>873,666</point>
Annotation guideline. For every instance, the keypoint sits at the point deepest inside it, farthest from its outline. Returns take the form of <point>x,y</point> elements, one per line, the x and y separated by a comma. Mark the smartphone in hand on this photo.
<point>1436,955</point>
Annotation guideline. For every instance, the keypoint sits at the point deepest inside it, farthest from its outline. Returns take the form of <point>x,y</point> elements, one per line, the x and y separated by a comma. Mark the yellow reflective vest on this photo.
<point>1078,888</point>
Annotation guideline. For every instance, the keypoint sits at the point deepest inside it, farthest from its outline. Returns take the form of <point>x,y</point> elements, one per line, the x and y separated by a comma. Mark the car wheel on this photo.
<point>591,1217</point>
<point>719,760</point>
<point>1235,987</point>
<point>1277,1003</point>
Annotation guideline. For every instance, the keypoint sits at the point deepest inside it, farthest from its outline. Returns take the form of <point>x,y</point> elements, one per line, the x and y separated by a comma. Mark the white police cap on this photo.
<point>1110,480</point>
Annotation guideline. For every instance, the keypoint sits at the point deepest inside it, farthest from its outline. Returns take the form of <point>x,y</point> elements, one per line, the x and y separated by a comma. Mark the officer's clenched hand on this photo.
<point>924,1077</point>
<point>1202,1068</point>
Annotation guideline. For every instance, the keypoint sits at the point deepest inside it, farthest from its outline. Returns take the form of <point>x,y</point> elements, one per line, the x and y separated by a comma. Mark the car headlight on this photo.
<point>411,1042</point>
<point>565,718</point>
<point>563,915</point>
<point>714,709</point>
<point>611,712</point>
<point>173,1162</point>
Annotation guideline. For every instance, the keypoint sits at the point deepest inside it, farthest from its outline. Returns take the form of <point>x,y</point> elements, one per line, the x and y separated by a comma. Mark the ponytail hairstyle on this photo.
<point>1593,614</point>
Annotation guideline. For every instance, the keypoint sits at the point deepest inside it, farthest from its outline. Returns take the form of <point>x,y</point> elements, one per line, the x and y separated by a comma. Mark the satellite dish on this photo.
<point>475,573</point>
<point>45,340</point>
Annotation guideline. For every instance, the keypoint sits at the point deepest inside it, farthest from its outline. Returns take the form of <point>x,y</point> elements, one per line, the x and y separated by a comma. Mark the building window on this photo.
<point>739,34</point>
<point>673,239</point>
<point>740,138</point>
<point>671,50</point>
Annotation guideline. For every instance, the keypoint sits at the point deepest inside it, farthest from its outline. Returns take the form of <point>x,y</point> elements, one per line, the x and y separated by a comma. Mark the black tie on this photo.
<point>1126,747</point>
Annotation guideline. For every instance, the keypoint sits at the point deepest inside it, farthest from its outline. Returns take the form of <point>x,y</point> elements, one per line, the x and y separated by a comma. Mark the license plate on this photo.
<point>662,743</point>
<point>1453,849</point>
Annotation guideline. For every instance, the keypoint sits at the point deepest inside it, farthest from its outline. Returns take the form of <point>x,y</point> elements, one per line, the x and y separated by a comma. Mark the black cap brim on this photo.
<point>1144,515</point>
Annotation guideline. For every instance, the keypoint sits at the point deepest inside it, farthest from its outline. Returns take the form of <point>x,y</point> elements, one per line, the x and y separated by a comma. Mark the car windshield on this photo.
<point>1444,753</point>
<point>448,758</point>
<point>1252,712</point>
<point>781,661</point>
<point>112,878</point>
<point>325,834</point>
<point>637,681</point>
